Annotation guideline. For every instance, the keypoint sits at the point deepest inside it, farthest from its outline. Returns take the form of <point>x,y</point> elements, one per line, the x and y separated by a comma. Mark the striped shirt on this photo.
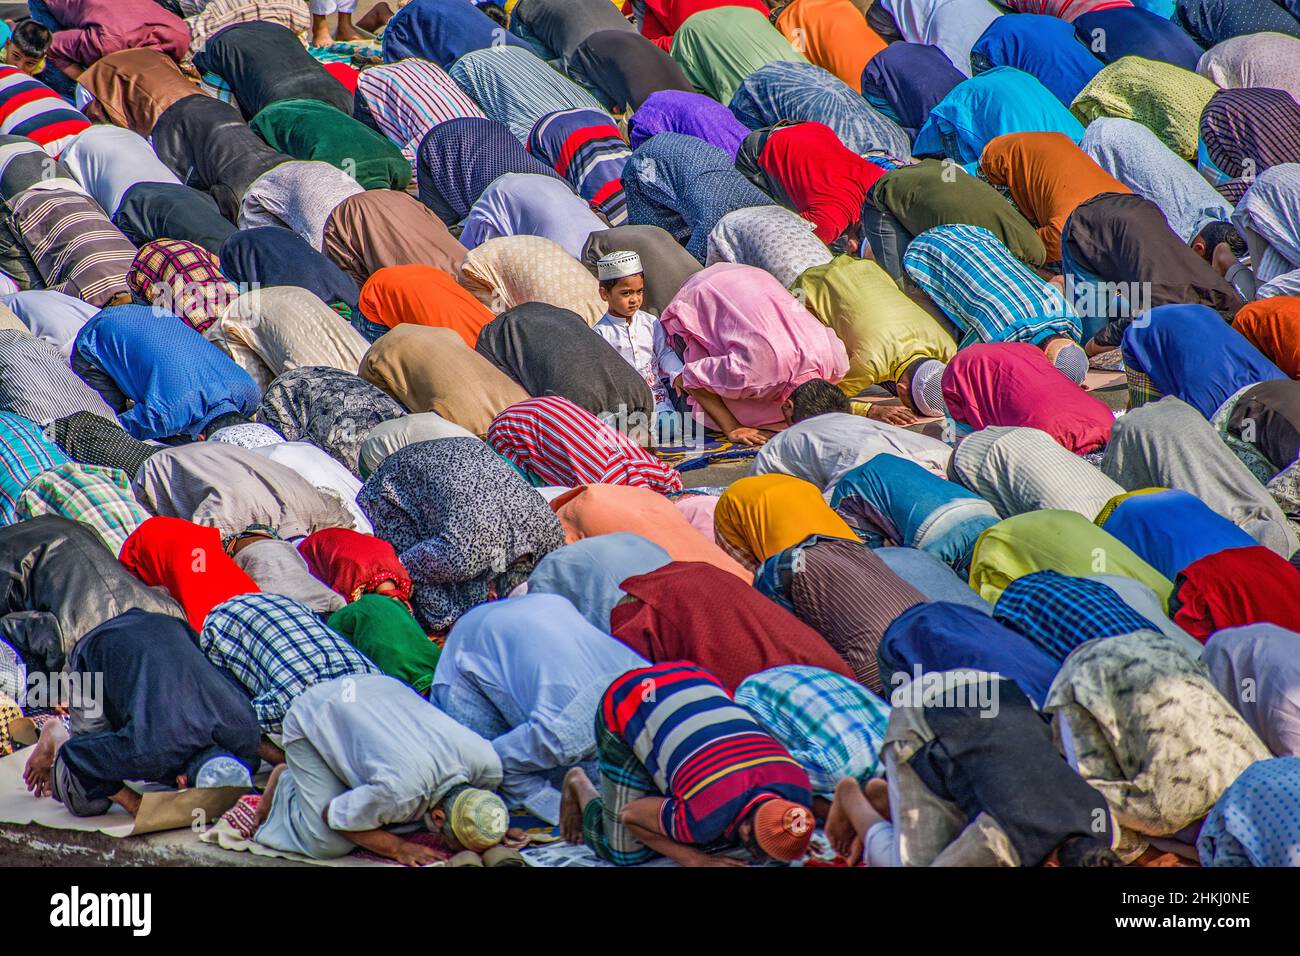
<point>76,249</point>
<point>96,496</point>
<point>516,88</point>
<point>833,726</point>
<point>36,382</point>
<point>561,443</point>
<point>1058,612</point>
<point>986,291</point>
<point>276,648</point>
<point>707,755</point>
<point>411,97</point>
<point>30,108</point>
<point>585,148</point>
<point>24,454</point>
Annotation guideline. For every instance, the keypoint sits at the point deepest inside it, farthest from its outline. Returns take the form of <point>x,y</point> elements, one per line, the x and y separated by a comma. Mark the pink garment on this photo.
<point>698,510</point>
<point>96,28</point>
<point>1014,383</point>
<point>750,342</point>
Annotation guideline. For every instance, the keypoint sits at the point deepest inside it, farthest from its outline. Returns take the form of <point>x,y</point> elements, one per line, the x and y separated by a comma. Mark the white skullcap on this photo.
<point>618,265</point>
<point>927,389</point>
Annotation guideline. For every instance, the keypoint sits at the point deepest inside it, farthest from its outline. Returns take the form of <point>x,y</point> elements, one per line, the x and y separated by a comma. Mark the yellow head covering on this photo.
<point>478,818</point>
<point>1062,541</point>
<point>763,515</point>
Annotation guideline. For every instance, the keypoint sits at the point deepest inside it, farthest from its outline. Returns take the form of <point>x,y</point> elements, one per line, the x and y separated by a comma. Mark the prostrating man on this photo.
<point>684,772</point>
<point>527,674</point>
<point>174,380</point>
<point>364,752</point>
<point>149,708</point>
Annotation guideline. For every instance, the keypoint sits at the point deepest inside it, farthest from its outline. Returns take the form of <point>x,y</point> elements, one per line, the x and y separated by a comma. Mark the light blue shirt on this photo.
<point>528,673</point>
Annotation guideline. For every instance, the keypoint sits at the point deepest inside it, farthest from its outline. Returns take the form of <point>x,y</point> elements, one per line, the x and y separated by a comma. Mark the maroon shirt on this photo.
<point>688,610</point>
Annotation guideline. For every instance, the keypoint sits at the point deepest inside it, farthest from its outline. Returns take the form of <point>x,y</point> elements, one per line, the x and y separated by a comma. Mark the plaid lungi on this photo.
<point>623,778</point>
<point>1141,389</point>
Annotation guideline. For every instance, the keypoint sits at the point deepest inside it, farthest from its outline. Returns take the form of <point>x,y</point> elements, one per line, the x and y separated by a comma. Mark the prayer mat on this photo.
<point>367,50</point>
<point>701,455</point>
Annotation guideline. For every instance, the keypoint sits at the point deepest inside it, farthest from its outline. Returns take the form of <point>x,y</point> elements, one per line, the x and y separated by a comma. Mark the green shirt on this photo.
<point>383,630</point>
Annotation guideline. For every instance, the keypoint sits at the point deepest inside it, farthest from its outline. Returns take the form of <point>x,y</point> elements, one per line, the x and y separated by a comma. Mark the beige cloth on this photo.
<point>269,331</point>
<point>293,15</point>
<point>433,370</point>
<point>227,487</point>
<point>380,227</point>
<point>396,433</point>
<point>511,270</point>
<point>9,319</point>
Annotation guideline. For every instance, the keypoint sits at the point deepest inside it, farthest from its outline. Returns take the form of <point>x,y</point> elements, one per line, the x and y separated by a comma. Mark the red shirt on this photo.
<point>689,611</point>
<point>663,18</point>
<point>826,181</point>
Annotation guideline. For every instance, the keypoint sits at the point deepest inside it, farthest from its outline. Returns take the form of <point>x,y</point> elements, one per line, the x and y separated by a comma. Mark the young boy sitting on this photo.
<point>636,335</point>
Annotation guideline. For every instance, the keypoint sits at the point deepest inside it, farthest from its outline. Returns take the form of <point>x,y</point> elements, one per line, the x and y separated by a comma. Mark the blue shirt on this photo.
<point>178,380</point>
<point>1058,613</point>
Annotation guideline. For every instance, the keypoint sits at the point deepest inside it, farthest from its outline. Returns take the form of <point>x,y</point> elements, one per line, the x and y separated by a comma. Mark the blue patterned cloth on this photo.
<point>1257,820</point>
<point>684,186</point>
<point>459,159</point>
<point>24,454</point>
<point>275,648</point>
<point>1057,613</point>
<point>985,290</point>
<point>832,725</point>
<point>801,92</point>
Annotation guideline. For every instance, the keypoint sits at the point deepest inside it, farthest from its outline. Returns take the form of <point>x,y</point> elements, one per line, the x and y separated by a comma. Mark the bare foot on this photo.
<point>877,791</point>
<point>128,800</point>
<point>345,34</point>
<point>846,808</point>
<point>379,14</point>
<point>264,805</point>
<point>321,37</point>
<point>575,793</point>
<point>36,772</point>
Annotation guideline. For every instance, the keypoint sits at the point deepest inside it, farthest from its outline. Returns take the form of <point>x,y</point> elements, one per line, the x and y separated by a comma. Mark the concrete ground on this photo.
<point>42,846</point>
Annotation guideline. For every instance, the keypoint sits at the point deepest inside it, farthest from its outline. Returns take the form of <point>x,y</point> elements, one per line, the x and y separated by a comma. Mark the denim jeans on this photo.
<point>887,238</point>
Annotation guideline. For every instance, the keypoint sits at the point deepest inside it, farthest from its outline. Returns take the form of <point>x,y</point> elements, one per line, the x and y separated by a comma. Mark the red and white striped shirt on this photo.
<point>564,444</point>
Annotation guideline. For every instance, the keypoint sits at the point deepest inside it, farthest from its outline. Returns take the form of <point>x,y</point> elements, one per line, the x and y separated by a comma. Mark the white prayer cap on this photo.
<point>618,265</point>
<point>927,388</point>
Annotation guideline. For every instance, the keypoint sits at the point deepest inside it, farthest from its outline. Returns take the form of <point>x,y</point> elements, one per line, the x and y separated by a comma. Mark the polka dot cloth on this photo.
<point>1257,820</point>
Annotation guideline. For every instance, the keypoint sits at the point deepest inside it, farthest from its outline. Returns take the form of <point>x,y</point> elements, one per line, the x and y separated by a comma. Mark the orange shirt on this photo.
<point>1273,327</point>
<point>833,35</point>
<point>423,295</point>
<point>1048,176</point>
